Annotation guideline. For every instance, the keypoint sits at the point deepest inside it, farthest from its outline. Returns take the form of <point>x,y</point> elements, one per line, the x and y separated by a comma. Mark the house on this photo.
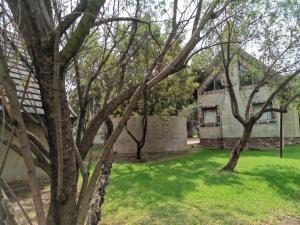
<point>218,127</point>
<point>33,114</point>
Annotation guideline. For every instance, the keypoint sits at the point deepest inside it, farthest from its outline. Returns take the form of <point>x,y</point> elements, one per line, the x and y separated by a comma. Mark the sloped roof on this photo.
<point>20,74</point>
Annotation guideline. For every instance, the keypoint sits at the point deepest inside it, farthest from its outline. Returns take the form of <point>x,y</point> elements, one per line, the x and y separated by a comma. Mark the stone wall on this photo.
<point>263,143</point>
<point>164,134</point>
<point>211,142</point>
<point>253,143</point>
<point>292,140</point>
<point>100,136</point>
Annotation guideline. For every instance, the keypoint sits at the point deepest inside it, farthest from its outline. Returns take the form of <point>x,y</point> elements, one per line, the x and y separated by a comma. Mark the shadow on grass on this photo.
<point>163,188</point>
<point>172,179</point>
<point>283,179</point>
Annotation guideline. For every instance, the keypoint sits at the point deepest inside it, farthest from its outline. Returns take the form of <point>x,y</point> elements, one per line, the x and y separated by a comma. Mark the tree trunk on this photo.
<point>99,195</point>
<point>141,143</point>
<point>61,209</point>
<point>81,124</point>
<point>139,153</point>
<point>236,152</point>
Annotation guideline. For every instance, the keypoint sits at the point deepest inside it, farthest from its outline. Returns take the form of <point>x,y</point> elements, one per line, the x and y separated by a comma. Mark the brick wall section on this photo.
<point>164,134</point>
<point>263,143</point>
<point>292,140</point>
<point>211,143</point>
<point>253,143</point>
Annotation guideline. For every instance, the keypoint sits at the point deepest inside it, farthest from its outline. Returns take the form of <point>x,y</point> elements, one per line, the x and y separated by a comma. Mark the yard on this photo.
<point>190,190</point>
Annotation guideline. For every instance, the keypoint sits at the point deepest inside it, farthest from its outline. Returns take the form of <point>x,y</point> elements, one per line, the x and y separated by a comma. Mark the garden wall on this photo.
<point>164,134</point>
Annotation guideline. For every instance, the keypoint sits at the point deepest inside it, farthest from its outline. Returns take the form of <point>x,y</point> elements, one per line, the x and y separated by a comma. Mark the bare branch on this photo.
<point>7,215</point>
<point>197,17</point>
<point>274,94</point>
<point>7,150</point>
<point>11,192</point>
<point>227,57</point>
<point>69,19</point>
<point>82,30</point>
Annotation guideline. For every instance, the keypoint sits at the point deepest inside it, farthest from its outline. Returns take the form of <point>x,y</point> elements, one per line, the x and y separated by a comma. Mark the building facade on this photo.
<point>219,128</point>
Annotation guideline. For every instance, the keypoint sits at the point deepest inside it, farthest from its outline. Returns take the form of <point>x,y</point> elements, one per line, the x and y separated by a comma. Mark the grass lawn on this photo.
<point>190,190</point>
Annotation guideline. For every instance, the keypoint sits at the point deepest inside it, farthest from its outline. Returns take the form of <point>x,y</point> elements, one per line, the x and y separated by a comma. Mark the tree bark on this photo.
<point>236,152</point>
<point>61,210</point>
<point>141,143</point>
<point>99,195</point>
<point>144,126</point>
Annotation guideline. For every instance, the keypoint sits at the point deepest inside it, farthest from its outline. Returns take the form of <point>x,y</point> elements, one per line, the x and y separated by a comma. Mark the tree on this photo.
<point>144,122</point>
<point>170,96</point>
<point>167,98</point>
<point>55,33</point>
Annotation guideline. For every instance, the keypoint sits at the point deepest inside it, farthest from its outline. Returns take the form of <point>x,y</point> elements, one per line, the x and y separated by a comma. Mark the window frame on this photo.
<point>201,116</point>
<point>262,120</point>
<point>242,74</point>
<point>214,83</point>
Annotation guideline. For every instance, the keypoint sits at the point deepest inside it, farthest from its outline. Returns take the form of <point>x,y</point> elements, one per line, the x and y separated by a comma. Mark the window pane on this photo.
<point>266,116</point>
<point>210,115</point>
<point>246,78</point>
<point>215,84</point>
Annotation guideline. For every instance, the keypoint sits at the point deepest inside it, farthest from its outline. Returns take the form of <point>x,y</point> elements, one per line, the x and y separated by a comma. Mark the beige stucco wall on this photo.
<point>291,124</point>
<point>164,134</point>
<point>210,132</point>
<point>230,126</point>
<point>15,169</point>
<point>99,138</point>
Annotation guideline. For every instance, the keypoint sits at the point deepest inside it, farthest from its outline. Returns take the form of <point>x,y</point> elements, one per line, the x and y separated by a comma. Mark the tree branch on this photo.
<point>80,33</point>
<point>69,19</point>
<point>274,93</point>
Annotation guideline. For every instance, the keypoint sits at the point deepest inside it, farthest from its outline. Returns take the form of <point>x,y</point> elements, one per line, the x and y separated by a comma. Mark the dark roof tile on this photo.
<point>19,72</point>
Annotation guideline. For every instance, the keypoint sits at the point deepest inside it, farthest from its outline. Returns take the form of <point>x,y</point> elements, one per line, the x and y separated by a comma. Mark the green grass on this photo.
<point>190,190</point>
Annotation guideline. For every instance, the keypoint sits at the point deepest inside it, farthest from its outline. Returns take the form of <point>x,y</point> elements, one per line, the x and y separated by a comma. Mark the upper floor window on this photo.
<point>267,116</point>
<point>215,84</point>
<point>246,77</point>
